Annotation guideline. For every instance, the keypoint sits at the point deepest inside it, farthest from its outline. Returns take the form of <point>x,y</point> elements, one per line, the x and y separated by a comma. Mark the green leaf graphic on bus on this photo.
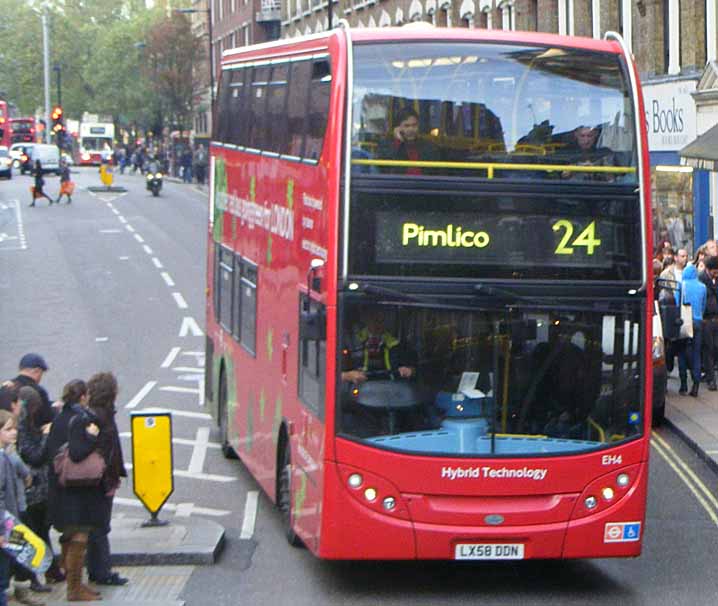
<point>277,419</point>
<point>220,197</point>
<point>270,344</point>
<point>262,403</point>
<point>269,249</point>
<point>300,496</point>
<point>290,194</point>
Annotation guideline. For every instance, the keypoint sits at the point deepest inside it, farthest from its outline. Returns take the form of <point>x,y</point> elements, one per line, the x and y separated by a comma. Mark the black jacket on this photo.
<point>711,295</point>
<point>46,414</point>
<point>32,448</point>
<point>74,507</point>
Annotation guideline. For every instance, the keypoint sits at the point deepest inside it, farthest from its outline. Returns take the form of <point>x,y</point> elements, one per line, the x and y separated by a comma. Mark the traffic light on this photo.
<point>57,119</point>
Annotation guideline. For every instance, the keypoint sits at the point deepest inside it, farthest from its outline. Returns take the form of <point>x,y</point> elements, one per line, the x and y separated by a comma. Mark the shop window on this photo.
<point>672,193</point>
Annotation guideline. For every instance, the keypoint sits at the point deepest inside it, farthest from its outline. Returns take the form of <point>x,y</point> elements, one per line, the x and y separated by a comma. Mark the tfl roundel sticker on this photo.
<point>621,532</point>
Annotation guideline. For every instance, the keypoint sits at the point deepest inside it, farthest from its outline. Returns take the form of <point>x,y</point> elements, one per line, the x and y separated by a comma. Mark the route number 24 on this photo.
<point>586,238</point>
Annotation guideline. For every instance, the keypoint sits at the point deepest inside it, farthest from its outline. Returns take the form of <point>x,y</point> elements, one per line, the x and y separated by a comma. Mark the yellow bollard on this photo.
<point>106,174</point>
<point>152,469</point>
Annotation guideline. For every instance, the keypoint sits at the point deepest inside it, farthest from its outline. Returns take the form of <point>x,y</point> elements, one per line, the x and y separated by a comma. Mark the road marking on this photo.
<point>209,477</point>
<point>122,219</point>
<point>250,514</point>
<point>148,250</point>
<point>179,299</point>
<point>199,453</point>
<point>110,231</point>
<point>179,441</point>
<point>139,238</point>
<point>700,491</point>
<point>101,339</point>
<point>157,262</point>
<point>179,389</point>
<point>20,225</point>
<point>114,210</point>
<point>199,370</point>
<point>167,278</point>
<point>189,325</point>
<point>179,413</point>
<point>124,258</point>
<point>129,228</point>
<point>141,394</point>
<point>170,357</point>
<point>186,508</point>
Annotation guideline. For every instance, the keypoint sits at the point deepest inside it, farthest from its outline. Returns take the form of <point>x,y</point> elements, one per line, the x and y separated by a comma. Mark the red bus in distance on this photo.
<point>22,130</point>
<point>5,114</point>
<point>428,312</point>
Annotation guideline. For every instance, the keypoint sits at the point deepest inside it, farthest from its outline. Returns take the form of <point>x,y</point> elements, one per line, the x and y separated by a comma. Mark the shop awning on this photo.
<point>703,152</point>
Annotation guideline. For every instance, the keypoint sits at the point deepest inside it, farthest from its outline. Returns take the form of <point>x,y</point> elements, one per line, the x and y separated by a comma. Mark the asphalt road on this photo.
<point>117,282</point>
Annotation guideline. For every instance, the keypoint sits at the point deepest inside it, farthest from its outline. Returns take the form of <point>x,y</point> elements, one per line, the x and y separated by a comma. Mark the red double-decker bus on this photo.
<point>5,115</point>
<point>22,130</point>
<point>428,313</point>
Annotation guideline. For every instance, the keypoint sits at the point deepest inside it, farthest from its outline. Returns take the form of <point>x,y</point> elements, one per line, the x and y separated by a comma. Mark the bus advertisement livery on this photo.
<point>428,313</point>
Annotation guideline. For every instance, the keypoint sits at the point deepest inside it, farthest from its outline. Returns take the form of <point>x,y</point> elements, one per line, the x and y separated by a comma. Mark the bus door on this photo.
<point>307,487</point>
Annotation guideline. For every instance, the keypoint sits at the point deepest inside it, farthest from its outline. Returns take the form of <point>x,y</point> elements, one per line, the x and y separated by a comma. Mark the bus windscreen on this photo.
<point>492,110</point>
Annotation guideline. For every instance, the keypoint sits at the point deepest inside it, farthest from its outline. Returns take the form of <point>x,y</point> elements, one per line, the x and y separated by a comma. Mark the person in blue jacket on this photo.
<point>692,291</point>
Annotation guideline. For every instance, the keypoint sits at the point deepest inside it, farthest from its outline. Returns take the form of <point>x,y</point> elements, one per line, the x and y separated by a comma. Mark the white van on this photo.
<point>49,156</point>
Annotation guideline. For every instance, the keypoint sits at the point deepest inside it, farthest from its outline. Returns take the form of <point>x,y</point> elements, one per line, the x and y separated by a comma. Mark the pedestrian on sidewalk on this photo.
<point>32,369</point>
<point>74,512</point>
<point>32,447</point>
<point>200,163</point>
<point>102,388</point>
<point>692,292</point>
<point>37,188</point>
<point>8,495</point>
<point>709,277</point>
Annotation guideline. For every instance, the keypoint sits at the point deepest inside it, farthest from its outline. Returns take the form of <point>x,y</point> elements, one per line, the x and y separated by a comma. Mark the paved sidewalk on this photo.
<point>157,560</point>
<point>694,419</point>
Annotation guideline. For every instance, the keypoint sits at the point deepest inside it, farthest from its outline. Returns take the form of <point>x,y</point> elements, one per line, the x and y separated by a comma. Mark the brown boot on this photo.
<point>74,562</point>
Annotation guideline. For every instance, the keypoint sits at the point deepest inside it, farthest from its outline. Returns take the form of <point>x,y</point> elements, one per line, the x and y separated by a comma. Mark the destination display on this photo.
<point>409,237</point>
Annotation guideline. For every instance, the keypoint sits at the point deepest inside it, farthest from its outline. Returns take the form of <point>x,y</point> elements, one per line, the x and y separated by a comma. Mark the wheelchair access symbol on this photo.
<point>622,532</point>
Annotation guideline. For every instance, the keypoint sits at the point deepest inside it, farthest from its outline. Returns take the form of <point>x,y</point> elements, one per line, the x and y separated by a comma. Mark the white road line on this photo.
<point>170,357</point>
<point>124,258</point>
<point>180,413</point>
<point>141,394</point>
<point>129,228</point>
<point>20,225</point>
<point>139,238</point>
<point>110,231</point>
<point>205,511</point>
<point>250,514</point>
<point>210,477</point>
<point>122,219</point>
<point>148,250</point>
<point>179,299</point>
<point>114,210</point>
<point>199,370</point>
<point>167,278</point>
<point>189,325</point>
<point>199,452</point>
<point>179,389</point>
<point>197,354</point>
<point>157,262</point>
<point>179,441</point>
<point>101,339</point>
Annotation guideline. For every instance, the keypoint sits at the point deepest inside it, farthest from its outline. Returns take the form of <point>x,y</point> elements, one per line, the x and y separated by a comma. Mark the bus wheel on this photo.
<point>284,493</point>
<point>227,450</point>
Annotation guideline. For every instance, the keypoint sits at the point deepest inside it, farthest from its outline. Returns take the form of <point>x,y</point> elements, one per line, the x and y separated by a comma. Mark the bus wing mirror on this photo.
<point>314,282</point>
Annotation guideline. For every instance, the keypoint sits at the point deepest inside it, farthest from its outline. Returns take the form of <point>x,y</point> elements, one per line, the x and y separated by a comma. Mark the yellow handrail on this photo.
<point>490,167</point>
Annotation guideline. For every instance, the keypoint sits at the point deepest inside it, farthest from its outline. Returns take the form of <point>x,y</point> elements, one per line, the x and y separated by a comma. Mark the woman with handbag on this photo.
<point>102,388</point>
<point>75,510</point>
<point>691,294</point>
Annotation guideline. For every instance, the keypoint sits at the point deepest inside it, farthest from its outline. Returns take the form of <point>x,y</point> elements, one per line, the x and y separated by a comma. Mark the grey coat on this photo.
<point>8,485</point>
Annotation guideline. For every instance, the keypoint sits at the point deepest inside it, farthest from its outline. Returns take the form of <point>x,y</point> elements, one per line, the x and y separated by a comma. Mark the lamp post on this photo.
<point>208,11</point>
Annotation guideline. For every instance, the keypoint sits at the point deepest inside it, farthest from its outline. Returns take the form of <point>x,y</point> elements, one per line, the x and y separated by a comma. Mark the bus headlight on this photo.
<point>370,494</point>
<point>607,493</point>
<point>373,492</point>
<point>623,479</point>
<point>355,480</point>
<point>591,502</point>
<point>389,503</point>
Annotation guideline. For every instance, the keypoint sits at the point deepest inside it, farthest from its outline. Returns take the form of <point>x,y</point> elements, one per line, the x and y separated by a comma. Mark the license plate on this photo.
<point>489,551</point>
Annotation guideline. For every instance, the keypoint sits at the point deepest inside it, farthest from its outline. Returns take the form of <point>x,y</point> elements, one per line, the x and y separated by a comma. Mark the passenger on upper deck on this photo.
<point>583,151</point>
<point>406,145</point>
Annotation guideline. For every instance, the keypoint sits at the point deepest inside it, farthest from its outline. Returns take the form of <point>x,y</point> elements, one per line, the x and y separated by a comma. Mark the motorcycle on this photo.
<point>154,182</point>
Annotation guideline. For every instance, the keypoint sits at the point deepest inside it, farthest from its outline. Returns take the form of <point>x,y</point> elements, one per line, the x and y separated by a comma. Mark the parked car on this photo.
<point>5,162</point>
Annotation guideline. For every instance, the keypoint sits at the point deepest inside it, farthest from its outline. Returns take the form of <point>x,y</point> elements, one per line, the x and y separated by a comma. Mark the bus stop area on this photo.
<point>695,420</point>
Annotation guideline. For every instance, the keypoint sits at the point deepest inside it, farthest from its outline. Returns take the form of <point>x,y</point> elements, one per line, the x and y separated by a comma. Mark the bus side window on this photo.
<point>236,127</point>
<point>277,110</point>
<point>222,124</point>
<point>318,108</point>
<point>256,117</point>
<point>297,100</point>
